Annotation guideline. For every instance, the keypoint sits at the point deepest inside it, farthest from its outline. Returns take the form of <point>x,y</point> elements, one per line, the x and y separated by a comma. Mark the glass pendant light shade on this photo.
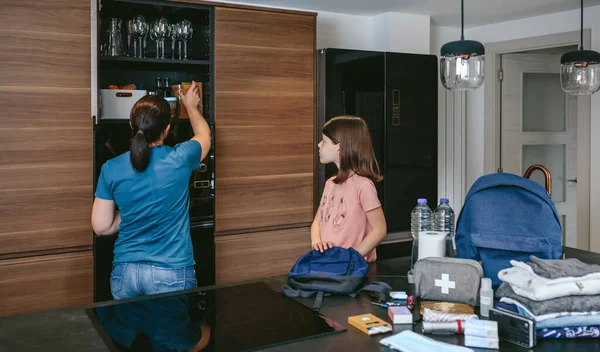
<point>462,63</point>
<point>580,76</point>
<point>580,69</point>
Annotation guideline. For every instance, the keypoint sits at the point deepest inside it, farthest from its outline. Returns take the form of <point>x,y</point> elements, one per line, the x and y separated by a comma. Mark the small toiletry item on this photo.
<point>481,342</point>
<point>400,315</point>
<point>399,295</point>
<point>369,324</point>
<point>486,297</point>
<point>481,328</point>
<point>451,327</point>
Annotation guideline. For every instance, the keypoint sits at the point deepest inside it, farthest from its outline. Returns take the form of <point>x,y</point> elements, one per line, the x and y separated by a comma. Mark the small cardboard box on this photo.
<point>369,324</point>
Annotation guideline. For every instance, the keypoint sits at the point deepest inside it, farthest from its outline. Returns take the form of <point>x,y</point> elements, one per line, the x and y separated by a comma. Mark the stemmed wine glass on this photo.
<point>161,29</point>
<point>154,36</point>
<point>140,29</point>
<point>184,29</point>
<point>173,36</point>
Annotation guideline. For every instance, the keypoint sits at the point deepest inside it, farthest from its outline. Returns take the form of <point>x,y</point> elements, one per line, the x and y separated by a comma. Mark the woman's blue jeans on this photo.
<point>138,279</point>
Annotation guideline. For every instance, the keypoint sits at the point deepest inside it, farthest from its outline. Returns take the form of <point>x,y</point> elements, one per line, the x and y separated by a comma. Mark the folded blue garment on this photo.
<point>573,332</point>
<point>561,322</point>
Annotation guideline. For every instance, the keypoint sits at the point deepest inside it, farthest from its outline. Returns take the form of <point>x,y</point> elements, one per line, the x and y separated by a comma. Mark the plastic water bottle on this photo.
<point>420,220</point>
<point>443,220</point>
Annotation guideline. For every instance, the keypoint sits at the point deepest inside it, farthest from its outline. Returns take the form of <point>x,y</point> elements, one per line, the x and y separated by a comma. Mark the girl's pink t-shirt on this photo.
<point>342,217</point>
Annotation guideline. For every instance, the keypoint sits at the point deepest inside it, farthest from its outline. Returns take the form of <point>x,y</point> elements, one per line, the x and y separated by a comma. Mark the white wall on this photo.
<point>341,31</point>
<point>390,31</point>
<point>524,28</point>
<point>452,151</point>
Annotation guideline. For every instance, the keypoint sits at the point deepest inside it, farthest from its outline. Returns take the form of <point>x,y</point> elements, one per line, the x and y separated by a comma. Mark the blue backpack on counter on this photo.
<point>507,217</point>
<point>335,271</point>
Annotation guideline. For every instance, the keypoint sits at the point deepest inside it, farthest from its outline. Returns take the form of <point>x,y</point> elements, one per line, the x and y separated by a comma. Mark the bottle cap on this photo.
<point>444,200</point>
<point>422,201</point>
<point>486,283</point>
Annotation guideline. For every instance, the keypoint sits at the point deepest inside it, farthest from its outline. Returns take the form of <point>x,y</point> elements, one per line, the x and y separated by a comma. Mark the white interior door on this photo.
<point>539,126</point>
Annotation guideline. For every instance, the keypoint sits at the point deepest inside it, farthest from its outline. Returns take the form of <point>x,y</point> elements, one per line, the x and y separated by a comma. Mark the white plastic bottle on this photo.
<point>486,297</point>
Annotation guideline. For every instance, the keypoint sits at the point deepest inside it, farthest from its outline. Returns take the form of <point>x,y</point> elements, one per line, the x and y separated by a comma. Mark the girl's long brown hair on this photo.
<point>356,148</point>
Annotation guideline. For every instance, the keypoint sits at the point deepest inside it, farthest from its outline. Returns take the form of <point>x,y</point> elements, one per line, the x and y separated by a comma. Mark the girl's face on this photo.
<point>329,152</point>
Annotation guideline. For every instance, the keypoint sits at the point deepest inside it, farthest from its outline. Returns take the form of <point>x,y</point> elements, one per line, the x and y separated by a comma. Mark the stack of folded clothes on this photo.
<point>562,296</point>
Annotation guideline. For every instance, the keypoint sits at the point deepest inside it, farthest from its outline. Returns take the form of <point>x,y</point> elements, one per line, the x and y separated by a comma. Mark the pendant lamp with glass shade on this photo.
<point>462,61</point>
<point>580,69</point>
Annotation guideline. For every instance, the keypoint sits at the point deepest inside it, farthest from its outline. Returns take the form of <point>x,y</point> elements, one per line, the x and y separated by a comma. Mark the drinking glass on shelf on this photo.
<point>161,28</point>
<point>145,39</point>
<point>183,33</point>
<point>140,29</point>
<point>154,36</point>
<point>115,42</point>
<point>129,38</point>
<point>173,36</point>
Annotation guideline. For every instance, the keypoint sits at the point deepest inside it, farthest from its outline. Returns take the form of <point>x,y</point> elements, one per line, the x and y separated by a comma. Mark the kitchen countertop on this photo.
<point>71,329</point>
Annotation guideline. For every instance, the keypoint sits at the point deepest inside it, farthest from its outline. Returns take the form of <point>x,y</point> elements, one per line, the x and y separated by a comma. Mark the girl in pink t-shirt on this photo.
<point>349,213</point>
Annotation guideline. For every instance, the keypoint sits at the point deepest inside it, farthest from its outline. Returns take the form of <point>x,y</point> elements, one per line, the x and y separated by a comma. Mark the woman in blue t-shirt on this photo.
<point>153,252</point>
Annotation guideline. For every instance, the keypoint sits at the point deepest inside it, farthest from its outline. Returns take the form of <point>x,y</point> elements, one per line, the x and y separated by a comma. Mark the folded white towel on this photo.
<point>525,282</point>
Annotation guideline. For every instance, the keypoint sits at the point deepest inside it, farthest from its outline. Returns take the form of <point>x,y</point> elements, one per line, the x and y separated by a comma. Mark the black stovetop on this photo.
<point>241,318</point>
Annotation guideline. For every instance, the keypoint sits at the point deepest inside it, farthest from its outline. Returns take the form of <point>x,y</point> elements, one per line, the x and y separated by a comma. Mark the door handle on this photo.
<point>573,180</point>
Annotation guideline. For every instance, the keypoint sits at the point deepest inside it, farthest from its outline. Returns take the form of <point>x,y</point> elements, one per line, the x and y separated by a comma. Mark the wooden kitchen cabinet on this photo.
<point>45,282</point>
<point>46,160</point>
<point>259,255</point>
<point>264,84</point>
<point>264,120</point>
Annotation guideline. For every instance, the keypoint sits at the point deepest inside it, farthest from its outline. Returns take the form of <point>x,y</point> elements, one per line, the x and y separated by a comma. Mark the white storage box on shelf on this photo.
<point>117,103</point>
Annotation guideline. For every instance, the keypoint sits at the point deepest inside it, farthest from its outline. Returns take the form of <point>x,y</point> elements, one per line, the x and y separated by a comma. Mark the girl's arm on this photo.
<point>378,232</point>
<point>315,235</point>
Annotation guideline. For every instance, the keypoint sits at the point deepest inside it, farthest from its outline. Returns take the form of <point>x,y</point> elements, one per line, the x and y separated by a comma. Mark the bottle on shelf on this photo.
<point>167,88</point>
<point>158,89</point>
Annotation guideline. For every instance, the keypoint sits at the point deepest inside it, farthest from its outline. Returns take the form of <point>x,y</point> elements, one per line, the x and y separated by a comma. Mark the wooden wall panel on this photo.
<point>258,69</point>
<point>265,254</point>
<point>45,59</point>
<point>273,109</point>
<point>265,201</point>
<point>46,212</point>
<point>264,120</point>
<point>30,146</point>
<point>36,106</point>
<point>45,282</point>
<point>46,161</point>
<point>255,28</point>
<point>52,16</point>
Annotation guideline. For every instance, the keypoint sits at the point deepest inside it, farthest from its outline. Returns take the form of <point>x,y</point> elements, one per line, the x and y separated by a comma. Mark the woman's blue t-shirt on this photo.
<point>154,205</point>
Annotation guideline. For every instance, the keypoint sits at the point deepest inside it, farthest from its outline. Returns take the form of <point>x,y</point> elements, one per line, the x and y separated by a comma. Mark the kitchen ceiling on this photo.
<point>443,12</point>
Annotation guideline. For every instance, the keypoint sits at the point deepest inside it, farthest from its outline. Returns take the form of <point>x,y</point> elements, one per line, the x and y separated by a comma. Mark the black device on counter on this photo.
<point>514,328</point>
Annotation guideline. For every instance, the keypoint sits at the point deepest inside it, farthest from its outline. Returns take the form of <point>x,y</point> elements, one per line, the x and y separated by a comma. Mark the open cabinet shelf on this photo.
<point>153,61</point>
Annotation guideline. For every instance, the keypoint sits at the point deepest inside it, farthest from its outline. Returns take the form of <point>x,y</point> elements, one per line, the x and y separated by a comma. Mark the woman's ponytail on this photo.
<point>140,152</point>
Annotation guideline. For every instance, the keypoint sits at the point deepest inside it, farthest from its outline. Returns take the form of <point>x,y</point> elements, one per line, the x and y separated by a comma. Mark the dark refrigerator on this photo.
<point>396,95</point>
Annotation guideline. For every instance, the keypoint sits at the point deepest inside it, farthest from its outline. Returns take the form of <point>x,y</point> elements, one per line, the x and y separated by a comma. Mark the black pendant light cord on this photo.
<point>462,19</point>
<point>581,42</point>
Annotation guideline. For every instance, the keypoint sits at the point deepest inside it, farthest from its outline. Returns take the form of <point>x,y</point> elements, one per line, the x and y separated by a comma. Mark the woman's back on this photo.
<point>154,205</point>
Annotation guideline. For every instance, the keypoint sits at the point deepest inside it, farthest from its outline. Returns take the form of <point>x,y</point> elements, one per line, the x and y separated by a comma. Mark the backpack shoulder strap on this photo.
<point>290,292</point>
<point>380,288</point>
